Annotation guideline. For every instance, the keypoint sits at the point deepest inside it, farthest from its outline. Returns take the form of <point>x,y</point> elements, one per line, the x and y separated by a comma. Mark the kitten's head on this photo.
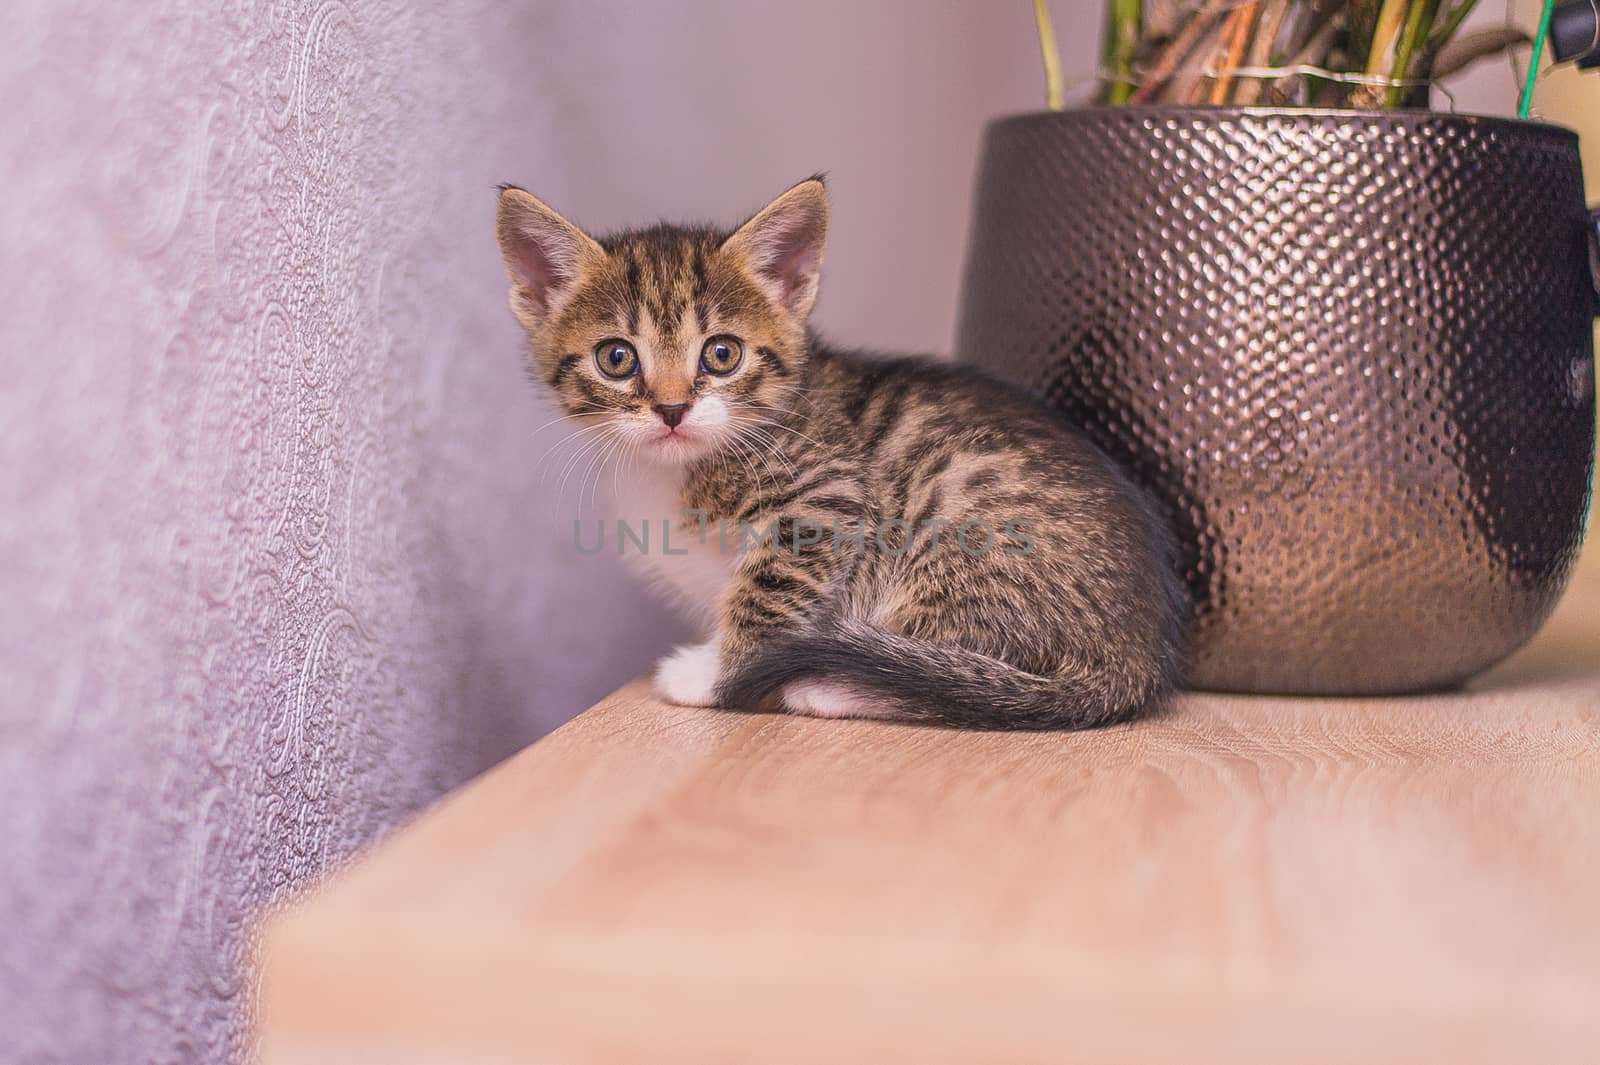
<point>681,340</point>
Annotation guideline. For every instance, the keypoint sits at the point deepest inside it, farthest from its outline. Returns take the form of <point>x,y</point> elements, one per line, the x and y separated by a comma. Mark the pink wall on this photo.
<point>276,566</point>
<point>706,110</point>
<point>270,538</point>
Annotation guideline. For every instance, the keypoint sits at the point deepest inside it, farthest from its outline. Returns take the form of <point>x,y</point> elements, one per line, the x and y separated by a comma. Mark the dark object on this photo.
<point>1350,351</point>
<point>1575,33</point>
<point>1594,254</point>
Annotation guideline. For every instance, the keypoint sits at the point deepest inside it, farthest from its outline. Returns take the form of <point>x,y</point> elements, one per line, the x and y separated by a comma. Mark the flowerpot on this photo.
<point>1349,352</point>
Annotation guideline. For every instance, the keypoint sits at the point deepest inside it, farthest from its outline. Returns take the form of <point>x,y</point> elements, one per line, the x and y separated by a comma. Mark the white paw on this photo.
<point>822,698</point>
<point>688,676</point>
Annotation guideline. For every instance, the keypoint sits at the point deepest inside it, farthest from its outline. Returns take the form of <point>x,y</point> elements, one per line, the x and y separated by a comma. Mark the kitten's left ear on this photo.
<point>782,246</point>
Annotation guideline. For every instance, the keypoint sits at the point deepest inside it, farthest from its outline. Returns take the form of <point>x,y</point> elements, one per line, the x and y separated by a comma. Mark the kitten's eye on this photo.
<point>721,355</point>
<point>616,358</point>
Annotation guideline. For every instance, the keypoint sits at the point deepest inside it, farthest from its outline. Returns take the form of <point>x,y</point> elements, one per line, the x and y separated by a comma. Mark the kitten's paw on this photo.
<point>825,698</point>
<point>688,676</point>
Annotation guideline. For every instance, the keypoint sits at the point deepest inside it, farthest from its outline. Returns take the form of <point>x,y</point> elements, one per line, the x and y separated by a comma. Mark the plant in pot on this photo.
<point>1345,340</point>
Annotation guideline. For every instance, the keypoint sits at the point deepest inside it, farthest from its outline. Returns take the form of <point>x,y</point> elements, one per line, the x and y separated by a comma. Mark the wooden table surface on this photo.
<point>1256,879</point>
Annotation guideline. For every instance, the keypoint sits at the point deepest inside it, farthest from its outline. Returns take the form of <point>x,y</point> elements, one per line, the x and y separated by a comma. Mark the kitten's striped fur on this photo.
<point>1080,630</point>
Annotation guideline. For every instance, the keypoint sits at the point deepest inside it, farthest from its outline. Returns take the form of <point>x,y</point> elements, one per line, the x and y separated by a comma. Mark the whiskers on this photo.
<point>759,440</point>
<point>593,445</point>
<point>774,423</point>
<point>766,448</point>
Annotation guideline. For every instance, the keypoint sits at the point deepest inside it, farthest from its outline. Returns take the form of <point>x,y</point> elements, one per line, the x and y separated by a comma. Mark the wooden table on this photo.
<point>1260,879</point>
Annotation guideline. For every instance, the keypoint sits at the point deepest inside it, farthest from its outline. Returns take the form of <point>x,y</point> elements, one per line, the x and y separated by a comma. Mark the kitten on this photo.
<point>863,537</point>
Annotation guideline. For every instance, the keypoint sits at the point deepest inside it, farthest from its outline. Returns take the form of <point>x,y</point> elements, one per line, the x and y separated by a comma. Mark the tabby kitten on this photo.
<point>861,537</point>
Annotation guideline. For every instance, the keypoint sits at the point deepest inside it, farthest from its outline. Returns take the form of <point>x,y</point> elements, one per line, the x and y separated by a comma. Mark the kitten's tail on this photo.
<point>907,679</point>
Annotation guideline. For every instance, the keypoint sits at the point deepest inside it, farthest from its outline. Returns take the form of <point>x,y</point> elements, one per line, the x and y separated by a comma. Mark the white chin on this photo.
<point>677,447</point>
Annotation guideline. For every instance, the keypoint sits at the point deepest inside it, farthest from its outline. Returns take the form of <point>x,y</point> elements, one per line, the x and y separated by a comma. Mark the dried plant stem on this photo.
<point>1238,37</point>
<point>1332,53</point>
<point>1260,54</point>
<point>1161,19</point>
<point>1316,46</point>
<point>1461,52</point>
<point>1177,51</point>
<point>1311,53</point>
<point>1192,85</point>
<point>1360,19</point>
<point>1445,28</point>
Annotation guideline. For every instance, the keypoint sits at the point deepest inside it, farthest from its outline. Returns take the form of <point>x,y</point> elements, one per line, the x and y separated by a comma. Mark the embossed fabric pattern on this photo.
<point>270,574</point>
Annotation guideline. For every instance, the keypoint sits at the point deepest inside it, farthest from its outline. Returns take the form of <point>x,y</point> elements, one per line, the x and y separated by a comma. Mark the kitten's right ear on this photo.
<point>545,254</point>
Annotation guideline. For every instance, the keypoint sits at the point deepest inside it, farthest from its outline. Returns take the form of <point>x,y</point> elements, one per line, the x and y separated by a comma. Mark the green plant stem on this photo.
<point>1419,19</point>
<point>1535,59</point>
<point>1054,89</point>
<point>1391,16</point>
<point>1119,47</point>
<point>1385,40</point>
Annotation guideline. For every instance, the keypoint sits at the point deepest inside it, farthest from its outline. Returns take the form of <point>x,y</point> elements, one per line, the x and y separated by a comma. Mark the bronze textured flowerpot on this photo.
<point>1350,352</point>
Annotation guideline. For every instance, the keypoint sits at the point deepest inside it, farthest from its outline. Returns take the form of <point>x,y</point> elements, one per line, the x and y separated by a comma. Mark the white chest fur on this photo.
<point>665,546</point>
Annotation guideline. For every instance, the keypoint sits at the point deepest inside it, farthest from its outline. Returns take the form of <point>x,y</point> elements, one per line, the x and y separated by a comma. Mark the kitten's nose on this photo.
<point>671,413</point>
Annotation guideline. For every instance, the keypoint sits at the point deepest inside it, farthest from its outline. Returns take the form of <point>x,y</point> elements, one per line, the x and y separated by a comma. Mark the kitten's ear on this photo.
<point>545,254</point>
<point>782,246</point>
